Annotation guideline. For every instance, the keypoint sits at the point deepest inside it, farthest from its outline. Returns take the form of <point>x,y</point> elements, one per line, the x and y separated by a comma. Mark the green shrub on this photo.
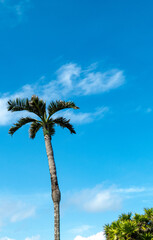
<point>128,227</point>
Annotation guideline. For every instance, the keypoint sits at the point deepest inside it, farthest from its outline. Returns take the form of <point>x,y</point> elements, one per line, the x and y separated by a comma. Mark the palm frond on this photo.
<point>18,105</point>
<point>64,123</point>
<point>39,105</point>
<point>35,105</point>
<point>48,128</point>
<point>56,106</point>
<point>34,128</point>
<point>51,129</point>
<point>21,122</point>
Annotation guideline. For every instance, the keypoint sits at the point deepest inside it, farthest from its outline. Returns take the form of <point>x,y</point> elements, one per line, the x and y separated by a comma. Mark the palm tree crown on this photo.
<point>46,120</point>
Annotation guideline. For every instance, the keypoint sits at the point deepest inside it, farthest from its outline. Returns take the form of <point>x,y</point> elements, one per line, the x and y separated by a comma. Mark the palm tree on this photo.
<point>45,121</point>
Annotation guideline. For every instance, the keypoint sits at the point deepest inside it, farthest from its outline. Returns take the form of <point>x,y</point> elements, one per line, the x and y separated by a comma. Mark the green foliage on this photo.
<point>59,105</point>
<point>34,105</point>
<point>45,121</point>
<point>34,128</point>
<point>64,124</point>
<point>128,227</point>
<point>21,122</point>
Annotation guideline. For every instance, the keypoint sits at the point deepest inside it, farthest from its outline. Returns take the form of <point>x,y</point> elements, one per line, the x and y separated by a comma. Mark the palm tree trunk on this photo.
<point>57,220</point>
<point>56,195</point>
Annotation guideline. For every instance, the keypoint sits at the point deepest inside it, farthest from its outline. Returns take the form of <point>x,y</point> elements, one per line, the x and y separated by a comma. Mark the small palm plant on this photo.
<point>45,121</point>
<point>128,227</point>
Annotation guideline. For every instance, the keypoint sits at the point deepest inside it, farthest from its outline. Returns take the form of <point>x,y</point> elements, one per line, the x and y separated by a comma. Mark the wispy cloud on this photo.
<point>83,118</point>
<point>16,208</point>
<point>80,229</point>
<point>6,238</point>
<point>98,236</point>
<point>77,81</point>
<point>99,199</point>
<point>67,75</point>
<point>33,238</point>
<point>22,214</point>
<point>98,82</point>
<point>71,80</point>
<point>96,199</point>
<point>14,211</point>
<point>27,238</point>
<point>130,190</point>
<point>13,12</point>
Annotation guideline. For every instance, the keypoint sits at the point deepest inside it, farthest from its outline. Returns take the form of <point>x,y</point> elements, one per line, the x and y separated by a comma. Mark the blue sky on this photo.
<point>100,55</point>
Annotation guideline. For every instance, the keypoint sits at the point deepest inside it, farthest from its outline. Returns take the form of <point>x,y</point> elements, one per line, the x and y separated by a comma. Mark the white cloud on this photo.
<point>15,208</point>
<point>67,75</point>
<point>130,190</point>
<point>6,238</point>
<point>33,238</point>
<point>12,210</point>
<point>22,214</point>
<point>71,80</point>
<point>96,199</point>
<point>82,118</point>
<point>80,229</point>
<point>98,236</point>
<point>27,238</point>
<point>99,82</point>
<point>78,81</point>
<point>99,199</point>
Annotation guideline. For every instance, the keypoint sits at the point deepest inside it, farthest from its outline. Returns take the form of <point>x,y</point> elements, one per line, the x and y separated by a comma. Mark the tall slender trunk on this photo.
<point>56,195</point>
